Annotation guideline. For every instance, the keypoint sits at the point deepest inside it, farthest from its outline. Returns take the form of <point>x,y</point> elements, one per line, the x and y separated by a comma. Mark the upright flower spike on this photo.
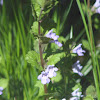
<point>96,6</point>
<point>51,70</point>
<point>53,36</point>
<point>44,78</point>
<point>1,89</point>
<point>76,67</point>
<point>79,50</point>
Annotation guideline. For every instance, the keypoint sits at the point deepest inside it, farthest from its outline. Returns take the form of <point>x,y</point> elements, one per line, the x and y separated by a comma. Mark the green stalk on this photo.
<point>93,55</point>
<point>92,39</point>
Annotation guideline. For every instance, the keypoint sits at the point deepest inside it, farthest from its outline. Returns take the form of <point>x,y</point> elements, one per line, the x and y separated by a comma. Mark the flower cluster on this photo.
<point>96,6</point>
<point>53,36</point>
<point>47,74</point>
<point>1,89</point>
<point>79,50</point>
<point>76,67</point>
<point>76,95</point>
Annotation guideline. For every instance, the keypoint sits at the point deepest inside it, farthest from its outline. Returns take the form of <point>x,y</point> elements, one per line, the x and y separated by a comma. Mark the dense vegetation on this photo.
<point>26,51</point>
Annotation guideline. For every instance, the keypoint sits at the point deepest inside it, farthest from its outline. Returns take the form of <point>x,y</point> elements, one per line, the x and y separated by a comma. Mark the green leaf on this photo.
<point>34,59</point>
<point>3,83</point>
<point>41,3</point>
<point>44,5</point>
<point>86,44</point>
<point>35,8</point>
<point>91,91</point>
<point>53,59</point>
<point>57,78</point>
<point>78,85</point>
<point>88,98</point>
<point>41,88</point>
<point>48,24</point>
<point>36,47</point>
<point>34,28</point>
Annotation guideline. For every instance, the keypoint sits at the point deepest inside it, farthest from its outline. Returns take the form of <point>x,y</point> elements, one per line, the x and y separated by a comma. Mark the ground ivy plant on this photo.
<point>54,57</point>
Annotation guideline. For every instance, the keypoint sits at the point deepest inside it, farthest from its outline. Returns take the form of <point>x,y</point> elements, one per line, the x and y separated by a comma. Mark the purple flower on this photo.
<point>96,6</point>
<point>58,43</point>
<point>53,36</point>
<point>1,92</point>
<point>76,95</point>
<point>76,67</point>
<point>48,73</point>
<point>44,78</point>
<point>79,50</point>
<point>1,89</point>
<point>51,71</point>
<point>1,2</point>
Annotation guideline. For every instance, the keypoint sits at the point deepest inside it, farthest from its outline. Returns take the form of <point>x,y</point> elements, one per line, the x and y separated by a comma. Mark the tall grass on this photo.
<point>89,33</point>
<point>15,42</point>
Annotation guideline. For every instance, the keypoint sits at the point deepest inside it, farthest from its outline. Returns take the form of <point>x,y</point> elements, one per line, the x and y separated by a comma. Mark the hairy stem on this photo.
<point>40,50</point>
<point>40,47</point>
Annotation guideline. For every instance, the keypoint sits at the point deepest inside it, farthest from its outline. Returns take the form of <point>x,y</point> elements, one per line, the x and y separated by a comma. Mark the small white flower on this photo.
<point>44,78</point>
<point>51,70</point>
<point>1,89</point>
<point>96,6</point>
<point>78,50</point>
<point>48,73</point>
<point>76,67</point>
<point>76,95</point>
<point>53,36</point>
<point>1,2</point>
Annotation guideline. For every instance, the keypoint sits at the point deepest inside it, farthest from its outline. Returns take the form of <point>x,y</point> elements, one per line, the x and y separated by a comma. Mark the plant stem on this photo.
<point>40,47</point>
<point>40,50</point>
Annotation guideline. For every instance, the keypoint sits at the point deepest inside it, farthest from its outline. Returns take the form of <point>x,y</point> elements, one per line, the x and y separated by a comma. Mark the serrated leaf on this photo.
<point>34,28</point>
<point>91,91</point>
<point>44,5</point>
<point>34,59</point>
<point>88,98</point>
<point>86,44</point>
<point>53,59</point>
<point>3,83</point>
<point>35,8</point>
